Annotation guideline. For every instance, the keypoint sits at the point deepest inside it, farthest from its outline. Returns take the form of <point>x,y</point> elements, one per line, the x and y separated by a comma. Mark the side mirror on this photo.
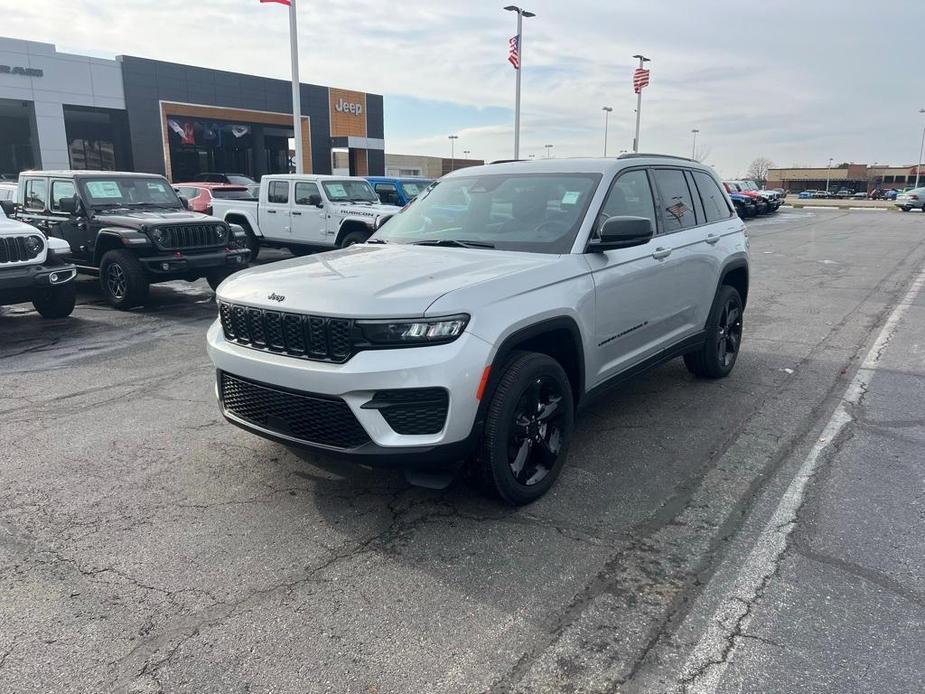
<point>623,232</point>
<point>8,206</point>
<point>68,205</point>
<point>184,202</point>
<point>315,199</point>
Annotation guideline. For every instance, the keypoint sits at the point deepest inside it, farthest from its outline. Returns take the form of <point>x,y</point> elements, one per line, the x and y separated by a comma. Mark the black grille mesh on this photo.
<point>412,411</point>
<point>179,237</point>
<point>305,417</point>
<point>293,334</point>
<point>13,249</point>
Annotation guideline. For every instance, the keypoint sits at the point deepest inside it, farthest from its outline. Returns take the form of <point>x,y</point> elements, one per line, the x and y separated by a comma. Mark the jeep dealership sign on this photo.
<point>24,71</point>
<point>348,107</point>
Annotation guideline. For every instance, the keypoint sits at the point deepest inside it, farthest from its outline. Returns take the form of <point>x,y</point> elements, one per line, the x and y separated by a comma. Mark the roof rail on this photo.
<point>506,161</point>
<point>639,155</point>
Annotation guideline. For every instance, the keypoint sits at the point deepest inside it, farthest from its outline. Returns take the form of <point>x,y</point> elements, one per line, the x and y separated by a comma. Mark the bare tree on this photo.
<point>758,170</point>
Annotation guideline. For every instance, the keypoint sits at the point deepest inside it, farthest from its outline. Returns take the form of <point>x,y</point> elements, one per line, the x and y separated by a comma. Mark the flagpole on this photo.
<point>520,52</point>
<point>296,91</point>
<point>642,61</point>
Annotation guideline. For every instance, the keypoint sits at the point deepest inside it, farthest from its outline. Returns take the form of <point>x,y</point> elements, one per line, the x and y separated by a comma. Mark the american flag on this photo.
<point>281,2</point>
<point>513,54</point>
<point>640,79</point>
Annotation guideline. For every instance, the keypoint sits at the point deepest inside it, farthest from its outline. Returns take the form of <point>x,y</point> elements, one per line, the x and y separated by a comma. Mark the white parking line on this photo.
<point>870,209</point>
<point>704,669</point>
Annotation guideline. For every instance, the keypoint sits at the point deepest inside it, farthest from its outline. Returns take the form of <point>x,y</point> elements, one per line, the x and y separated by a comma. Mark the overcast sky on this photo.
<point>797,81</point>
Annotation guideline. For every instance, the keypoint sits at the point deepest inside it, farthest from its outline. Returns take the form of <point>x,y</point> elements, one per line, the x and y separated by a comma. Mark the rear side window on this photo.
<point>715,204</point>
<point>36,194</point>
<point>59,191</point>
<point>676,201</point>
<point>278,192</point>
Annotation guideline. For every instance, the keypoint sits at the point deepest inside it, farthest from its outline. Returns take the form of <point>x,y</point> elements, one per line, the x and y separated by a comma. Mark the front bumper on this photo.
<point>19,283</point>
<point>180,263</point>
<point>456,367</point>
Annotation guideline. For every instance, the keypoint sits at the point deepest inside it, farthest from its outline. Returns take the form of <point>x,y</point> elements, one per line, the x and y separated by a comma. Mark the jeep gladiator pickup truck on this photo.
<point>32,269</point>
<point>130,229</point>
<point>475,338</point>
<point>305,213</point>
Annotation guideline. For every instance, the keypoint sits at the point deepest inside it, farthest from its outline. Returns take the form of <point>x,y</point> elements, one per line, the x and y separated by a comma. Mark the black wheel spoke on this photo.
<point>536,436</point>
<point>519,465</point>
<point>550,409</point>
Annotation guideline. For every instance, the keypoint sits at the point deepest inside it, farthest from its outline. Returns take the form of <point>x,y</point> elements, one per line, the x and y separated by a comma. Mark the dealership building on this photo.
<point>64,111</point>
<point>855,177</point>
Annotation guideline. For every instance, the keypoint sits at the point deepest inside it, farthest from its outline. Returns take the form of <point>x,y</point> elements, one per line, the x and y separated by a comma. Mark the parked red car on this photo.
<point>199,195</point>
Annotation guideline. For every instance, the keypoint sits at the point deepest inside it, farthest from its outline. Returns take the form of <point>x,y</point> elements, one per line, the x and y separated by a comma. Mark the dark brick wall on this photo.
<point>147,82</point>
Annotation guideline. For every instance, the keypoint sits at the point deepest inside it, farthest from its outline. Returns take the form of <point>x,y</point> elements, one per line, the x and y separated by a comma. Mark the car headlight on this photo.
<point>221,233</point>
<point>160,237</point>
<point>413,332</point>
<point>34,245</point>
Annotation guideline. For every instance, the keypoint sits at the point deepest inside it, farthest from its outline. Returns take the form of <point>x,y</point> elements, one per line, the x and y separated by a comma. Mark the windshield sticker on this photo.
<point>156,187</point>
<point>104,189</point>
<point>571,198</point>
<point>336,190</point>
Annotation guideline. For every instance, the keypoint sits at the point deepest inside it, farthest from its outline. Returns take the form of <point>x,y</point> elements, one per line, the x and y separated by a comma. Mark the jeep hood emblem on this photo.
<point>276,297</point>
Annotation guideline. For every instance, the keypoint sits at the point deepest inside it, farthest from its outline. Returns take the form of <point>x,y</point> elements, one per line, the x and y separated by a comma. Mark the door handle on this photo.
<point>661,253</point>
<point>296,213</point>
<point>271,211</point>
<point>712,239</point>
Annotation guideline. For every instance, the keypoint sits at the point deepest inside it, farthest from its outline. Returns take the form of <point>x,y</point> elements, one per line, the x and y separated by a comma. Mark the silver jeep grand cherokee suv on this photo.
<point>473,325</point>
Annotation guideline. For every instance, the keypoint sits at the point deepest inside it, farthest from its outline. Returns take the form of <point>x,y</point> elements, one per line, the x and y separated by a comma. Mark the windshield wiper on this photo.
<point>376,241</point>
<point>454,243</point>
<point>160,205</point>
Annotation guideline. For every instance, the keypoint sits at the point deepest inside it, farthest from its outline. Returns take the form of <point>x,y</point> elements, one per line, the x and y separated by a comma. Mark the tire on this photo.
<point>57,301</point>
<point>905,209</point>
<point>720,350</point>
<point>354,237</point>
<point>123,280</point>
<point>252,243</point>
<point>519,462</point>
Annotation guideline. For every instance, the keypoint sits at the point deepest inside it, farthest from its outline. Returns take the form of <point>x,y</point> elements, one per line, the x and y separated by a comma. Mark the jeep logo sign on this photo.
<point>347,107</point>
<point>24,71</point>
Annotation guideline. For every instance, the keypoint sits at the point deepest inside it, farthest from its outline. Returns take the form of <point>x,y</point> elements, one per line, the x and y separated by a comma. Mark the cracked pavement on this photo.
<point>146,546</point>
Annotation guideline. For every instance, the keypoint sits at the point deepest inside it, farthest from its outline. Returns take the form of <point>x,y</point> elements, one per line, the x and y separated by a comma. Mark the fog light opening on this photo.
<point>165,266</point>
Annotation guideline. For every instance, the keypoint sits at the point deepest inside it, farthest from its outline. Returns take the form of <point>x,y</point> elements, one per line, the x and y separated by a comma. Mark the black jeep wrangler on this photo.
<point>130,229</point>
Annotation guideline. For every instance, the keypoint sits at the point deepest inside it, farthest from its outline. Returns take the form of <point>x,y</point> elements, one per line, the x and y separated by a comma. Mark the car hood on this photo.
<point>137,219</point>
<point>13,227</point>
<point>374,281</point>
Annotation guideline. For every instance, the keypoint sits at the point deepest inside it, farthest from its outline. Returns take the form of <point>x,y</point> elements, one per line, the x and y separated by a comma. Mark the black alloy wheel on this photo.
<point>528,427</point>
<point>116,281</point>
<point>536,437</point>
<point>717,356</point>
<point>123,279</point>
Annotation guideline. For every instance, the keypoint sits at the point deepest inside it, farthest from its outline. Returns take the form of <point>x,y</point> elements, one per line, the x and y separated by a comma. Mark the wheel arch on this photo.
<point>348,226</point>
<point>106,240</point>
<point>241,220</point>
<point>735,274</point>
<point>559,338</point>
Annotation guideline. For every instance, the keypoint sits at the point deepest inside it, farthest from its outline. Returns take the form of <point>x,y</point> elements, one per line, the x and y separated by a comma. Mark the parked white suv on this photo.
<point>473,325</point>
<point>306,212</point>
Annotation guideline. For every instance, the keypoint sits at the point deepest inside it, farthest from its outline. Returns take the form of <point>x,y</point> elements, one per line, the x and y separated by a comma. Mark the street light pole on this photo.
<point>694,145</point>
<point>918,165</point>
<point>828,175</point>
<point>452,139</point>
<point>548,150</point>
<point>607,111</point>
<point>642,61</point>
<point>521,13</point>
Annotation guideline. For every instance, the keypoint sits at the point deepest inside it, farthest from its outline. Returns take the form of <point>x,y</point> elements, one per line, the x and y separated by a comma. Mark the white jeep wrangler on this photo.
<point>306,212</point>
<point>32,270</point>
<point>474,324</point>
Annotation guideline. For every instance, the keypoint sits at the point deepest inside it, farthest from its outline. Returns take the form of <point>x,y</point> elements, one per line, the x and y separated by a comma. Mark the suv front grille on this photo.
<point>307,417</point>
<point>181,237</point>
<point>412,411</point>
<point>292,334</point>
<point>13,249</point>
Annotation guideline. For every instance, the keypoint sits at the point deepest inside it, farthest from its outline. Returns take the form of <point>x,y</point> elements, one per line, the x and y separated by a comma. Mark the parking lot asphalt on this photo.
<point>148,546</point>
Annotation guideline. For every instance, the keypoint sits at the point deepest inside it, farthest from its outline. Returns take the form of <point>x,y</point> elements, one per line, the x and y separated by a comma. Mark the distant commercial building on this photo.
<point>426,167</point>
<point>63,111</point>
<point>856,177</point>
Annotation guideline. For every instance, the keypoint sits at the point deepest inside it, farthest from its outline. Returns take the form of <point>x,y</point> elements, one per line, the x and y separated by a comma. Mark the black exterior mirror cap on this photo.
<point>184,202</point>
<point>623,232</point>
<point>68,205</point>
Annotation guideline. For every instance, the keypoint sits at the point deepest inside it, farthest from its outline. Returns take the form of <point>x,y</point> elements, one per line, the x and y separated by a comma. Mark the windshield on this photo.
<point>125,191</point>
<point>414,188</point>
<point>540,213</point>
<point>349,191</point>
<point>240,179</point>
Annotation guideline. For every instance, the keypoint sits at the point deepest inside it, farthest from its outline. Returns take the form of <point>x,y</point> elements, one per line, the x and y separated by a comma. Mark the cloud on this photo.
<point>789,80</point>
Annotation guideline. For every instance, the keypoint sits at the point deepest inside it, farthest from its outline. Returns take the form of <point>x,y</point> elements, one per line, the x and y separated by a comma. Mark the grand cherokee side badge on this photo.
<point>276,297</point>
